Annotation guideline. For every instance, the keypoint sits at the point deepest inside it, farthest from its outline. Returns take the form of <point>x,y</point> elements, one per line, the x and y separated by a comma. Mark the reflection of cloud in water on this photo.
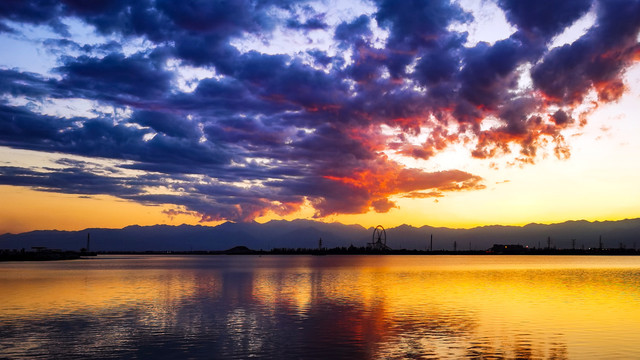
<point>337,309</point>
<point>40,293</point>
<point>235,307</point>
<point>412,314</point>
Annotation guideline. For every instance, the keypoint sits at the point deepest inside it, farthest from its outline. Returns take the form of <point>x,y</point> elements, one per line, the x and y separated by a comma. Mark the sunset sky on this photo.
<point>457,114</point>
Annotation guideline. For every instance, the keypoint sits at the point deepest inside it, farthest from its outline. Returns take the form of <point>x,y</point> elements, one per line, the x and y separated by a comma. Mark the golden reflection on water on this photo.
<point>36,292</point>
<point>117,299</point>
<point>516,307</point>
<point>358,306</point>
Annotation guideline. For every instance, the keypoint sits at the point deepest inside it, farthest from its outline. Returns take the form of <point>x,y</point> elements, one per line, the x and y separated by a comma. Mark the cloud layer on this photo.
<point>231,131</point>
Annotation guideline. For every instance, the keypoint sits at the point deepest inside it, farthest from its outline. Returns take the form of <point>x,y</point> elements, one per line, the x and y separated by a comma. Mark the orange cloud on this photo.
<point>385,178</point>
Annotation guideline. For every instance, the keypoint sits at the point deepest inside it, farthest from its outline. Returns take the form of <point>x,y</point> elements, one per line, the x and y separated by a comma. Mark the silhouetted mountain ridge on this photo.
<point>306,233</point>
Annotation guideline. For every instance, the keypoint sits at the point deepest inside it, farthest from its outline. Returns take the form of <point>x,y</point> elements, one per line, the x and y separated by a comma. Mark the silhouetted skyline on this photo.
<point>306,234</point>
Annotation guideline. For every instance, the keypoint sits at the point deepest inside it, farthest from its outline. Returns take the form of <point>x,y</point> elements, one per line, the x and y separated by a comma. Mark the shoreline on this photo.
<point>14,255</point>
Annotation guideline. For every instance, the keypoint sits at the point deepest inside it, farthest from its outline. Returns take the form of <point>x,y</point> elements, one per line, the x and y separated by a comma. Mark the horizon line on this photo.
<point>326,222</point>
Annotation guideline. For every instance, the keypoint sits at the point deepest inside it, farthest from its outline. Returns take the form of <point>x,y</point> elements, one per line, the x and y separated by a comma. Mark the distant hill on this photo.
<point>305,234</point>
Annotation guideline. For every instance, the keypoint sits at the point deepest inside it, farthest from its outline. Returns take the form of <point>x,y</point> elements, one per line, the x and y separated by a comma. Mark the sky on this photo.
<point>443,113</point>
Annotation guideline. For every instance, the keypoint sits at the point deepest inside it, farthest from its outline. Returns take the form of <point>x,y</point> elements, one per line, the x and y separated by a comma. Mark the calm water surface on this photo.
<point>302,307</point>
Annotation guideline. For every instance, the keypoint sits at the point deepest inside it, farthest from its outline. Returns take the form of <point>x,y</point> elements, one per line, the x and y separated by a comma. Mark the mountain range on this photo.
<point>306,233</point>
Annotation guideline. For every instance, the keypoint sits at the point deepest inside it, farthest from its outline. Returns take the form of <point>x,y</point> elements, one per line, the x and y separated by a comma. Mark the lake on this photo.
<point>318,307</point>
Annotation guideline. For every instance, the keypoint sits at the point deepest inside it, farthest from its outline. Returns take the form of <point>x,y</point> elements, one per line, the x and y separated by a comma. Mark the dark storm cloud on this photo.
<point>418,23</point>
<point>271,132</point>
<point>439,65</point>
<point>140,76</point>
<point>595,61</point>
<point>59,46</point>
<point>41,12</point>
<point>4,28</point>
<point>546,17</point>
<point>221,203</point>
<point>413,26</point>
<point>164,122</point>
<point>221,17</point>
<point>310,24</point>
<point>488,72</point>
<point>353,32</point>
<point>71,180</point>
<point>307,18</point>
<point>320,57</point>
<point>30,85</point>
<point>19,127</point>
<point>561,118</point>
<point>99,137</point>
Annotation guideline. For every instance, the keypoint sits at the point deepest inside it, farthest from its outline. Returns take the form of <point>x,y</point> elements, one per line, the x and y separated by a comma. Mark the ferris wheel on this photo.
<point>379,239</point>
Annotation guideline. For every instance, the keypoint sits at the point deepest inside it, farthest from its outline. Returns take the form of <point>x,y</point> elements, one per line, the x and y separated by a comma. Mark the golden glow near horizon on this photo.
<point>25,209</point>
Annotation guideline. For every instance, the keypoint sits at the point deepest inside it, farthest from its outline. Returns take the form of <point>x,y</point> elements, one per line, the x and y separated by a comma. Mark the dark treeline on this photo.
<point>44,255</point>
<point>352,250</point>
<point>497,249</point>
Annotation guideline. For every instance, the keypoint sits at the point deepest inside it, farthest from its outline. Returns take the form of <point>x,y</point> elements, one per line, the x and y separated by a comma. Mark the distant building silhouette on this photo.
<point>507,249</point>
